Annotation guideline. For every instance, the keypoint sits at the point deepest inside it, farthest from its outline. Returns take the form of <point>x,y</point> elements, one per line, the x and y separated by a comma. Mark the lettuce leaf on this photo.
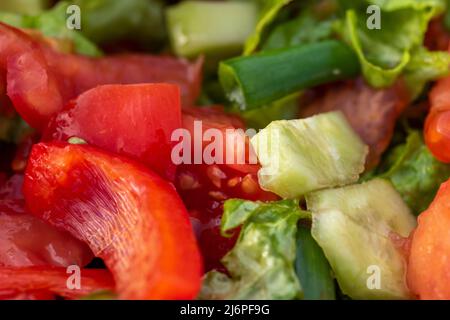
<point>415,173</point>
<point>423,67</point>
<point>306,28</point>
<point>385,53</point>
<point>261,265</point>
<point>269,11</point>
<point>52,23</point>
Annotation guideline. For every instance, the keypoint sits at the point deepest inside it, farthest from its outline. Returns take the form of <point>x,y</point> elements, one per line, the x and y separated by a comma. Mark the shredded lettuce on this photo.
<point>261,265</point>
<point>306,28</point>
<point>269,11</point>
<point>415,173</point>
<point>386,52</point>
<point>304,155</point>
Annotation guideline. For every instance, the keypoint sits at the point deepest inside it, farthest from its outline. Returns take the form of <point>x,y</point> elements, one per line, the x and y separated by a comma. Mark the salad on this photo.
<point>253,149</point>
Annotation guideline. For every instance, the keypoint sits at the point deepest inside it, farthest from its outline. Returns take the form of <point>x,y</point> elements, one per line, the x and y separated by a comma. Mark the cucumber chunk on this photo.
<point>197,27</point>
<point>354,226</point>
<point>300,156</point>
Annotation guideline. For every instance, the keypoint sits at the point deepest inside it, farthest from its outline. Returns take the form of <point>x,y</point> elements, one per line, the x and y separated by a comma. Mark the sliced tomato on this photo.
<point>11,188</point>
<point>437,124</point>
<point>44,282</point>
<point>40,80</point>
<point>28,241</point>
<point>204,187</point>
<point>429,261</point>
<point>129,216</point>
<point>134,120</point>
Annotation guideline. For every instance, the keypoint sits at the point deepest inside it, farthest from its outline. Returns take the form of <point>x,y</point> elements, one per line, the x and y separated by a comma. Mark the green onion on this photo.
<point>257,80</point>
<point>197,27</point>
<point>312,268</point>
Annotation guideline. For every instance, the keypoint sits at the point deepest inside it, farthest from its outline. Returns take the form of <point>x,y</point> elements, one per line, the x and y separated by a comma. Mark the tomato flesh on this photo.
<point>40,80</point>
<point>134,120</point>
<point>204,188</point>
<point>429,260</point>
<point>28,241</point>
<point>129,217</point>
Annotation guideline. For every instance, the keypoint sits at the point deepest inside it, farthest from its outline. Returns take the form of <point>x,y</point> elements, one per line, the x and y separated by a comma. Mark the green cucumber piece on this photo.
<point>197,27</point>
<point>300,156</point>
<point>354,226</point>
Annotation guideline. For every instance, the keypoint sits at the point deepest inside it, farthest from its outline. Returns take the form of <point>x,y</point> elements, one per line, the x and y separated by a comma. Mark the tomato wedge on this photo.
<point>204,188</point>
<point>134,120</point>
<point>41,282</point>
<point>28,241</point>
<point>40,80</point>
<point>429,261</point>
<point>129,216</point>
<point>437,124</point>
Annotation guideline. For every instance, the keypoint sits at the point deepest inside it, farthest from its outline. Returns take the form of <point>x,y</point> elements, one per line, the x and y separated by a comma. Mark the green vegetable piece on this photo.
<point>300,156</point>
<point>415,172</point>
<point>260,79</point>
<point>312,267</point>
<point>261,264</point>
<point>197,27</point>
<point>386,50</point>
<point>304,29</point>
<point>269,11</point>
<point>52,23</point>
<point>108,21</point>
<point>24,6</point>
<point>425,66</point>
<point>354,226</point>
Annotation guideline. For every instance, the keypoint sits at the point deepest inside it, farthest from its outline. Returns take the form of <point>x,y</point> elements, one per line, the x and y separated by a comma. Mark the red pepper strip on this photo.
<point>129,216</point>
<point>15,282</point>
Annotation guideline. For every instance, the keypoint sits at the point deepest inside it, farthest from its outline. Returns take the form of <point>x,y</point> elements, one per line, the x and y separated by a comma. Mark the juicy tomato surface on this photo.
<point>133,120</point>
<point>205,187</point>
<point>46,282</point>
<point>28,241</point>
<point>437,124</point>
<point>40,80</point>
<point>429,260</point>
<point>129,216</point>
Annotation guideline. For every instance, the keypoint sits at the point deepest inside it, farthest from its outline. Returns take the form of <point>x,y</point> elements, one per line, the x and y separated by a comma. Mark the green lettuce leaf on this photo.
<point>415,173</point>
<point>425,66</point>
<point>261,265</point>
<point>52,23</point>
<point>385,53</point>
<point>306,28</point>
<point>269,11</point>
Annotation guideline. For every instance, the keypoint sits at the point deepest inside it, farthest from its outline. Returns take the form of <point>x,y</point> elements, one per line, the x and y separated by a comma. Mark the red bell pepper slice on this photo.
<point>129,216</point>
<point>135,120</point>
<point>42,282</point>
<point>40,80</point>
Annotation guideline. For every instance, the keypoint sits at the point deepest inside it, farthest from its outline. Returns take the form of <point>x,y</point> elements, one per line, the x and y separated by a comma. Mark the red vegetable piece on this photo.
<point>40,80</point>
<point>43,282</point>
<point>28,241</point>
<point>129,217</point>
<point>134,120</point>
